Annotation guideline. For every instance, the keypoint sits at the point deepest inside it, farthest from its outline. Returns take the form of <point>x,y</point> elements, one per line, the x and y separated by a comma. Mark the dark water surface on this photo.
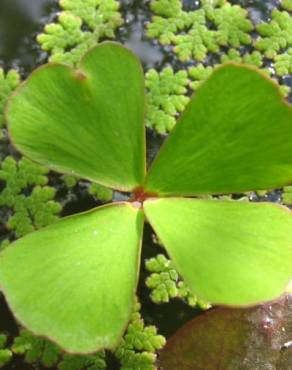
<point>20,21</point>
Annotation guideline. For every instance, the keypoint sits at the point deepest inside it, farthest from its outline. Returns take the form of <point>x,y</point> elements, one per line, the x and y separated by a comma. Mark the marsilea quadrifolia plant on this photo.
<point>74,281</point>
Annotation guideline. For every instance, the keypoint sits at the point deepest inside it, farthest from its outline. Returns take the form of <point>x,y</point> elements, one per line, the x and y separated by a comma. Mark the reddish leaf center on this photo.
<point>140,195</point>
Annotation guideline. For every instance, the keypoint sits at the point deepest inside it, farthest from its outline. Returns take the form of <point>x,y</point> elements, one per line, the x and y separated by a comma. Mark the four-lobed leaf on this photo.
<point>75,280</point>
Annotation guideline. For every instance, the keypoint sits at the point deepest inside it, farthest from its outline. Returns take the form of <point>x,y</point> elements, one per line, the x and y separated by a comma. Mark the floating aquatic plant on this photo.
<point>218,29</point>
<point>283,63</point>
<point>190,32</point>
<point>165,284</point>
<point>5,353</point>
<point>166,97</point>
<point>67,40</point>
<point>84,362</point>
<point>8,82</point>
<point>255,58</point>
<point>138,346</point>
<point>276,35</point>
<point>287,195</point>
<point>35,349</point>
<point>232,23</point>
<point>199,73</point>
<point>74,281</point>
<point>136,350</point>
<point>198,41</point>
<point>287,4</point>
<point>38,350</point>
<point>100,192</point>
<point>26,194</point>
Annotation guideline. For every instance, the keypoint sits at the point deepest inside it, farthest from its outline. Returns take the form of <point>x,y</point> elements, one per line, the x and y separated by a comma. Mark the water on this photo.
<point>20,20</point>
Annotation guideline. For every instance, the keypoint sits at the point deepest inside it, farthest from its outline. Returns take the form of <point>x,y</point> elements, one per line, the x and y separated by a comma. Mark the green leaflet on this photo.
<point>29,210</point>
<point>67,281</point>
<point>234,136</point>
<point>228,252</point>
<point>137,349</point>
<point>275,35</point>
<point>196,33</point>
<point>78,28</point>
<point>5,353</point>
<point>8,83</point>
<point>63,118</point>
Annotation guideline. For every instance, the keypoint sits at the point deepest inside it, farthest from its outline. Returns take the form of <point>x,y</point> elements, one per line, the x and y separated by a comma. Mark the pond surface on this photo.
<point>20,21</point>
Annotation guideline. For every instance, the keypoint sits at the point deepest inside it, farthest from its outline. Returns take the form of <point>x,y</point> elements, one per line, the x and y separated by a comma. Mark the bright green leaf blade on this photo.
<point>233,253</point>
<point>89,121</point>
<point>74,281</point>
<point>235,135</point>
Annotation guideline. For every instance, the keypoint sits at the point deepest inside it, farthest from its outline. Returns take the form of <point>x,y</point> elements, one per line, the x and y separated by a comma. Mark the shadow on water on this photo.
<point>19,22</point>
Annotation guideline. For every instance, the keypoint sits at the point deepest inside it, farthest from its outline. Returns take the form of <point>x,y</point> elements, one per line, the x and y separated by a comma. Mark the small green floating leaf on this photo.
<point>232,23</point>
<point>86,122</point>
<point>139,344</point>
<point>275,35</point>
<point>166,96</point>
<point>79,28</point>
<point>66,282</point>
<point>233,253</point>
<point>35,349</point>
<point>8,83</point>
<point>102,16</point>
<point>234,136</point>
<point>5,353</point>
<point>283,63</point>
<point>287,4</point>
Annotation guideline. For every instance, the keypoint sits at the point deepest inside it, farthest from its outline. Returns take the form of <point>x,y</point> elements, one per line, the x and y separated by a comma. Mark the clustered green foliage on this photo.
<point>167,91</point>
<point>190,33</point>
<point>287,4</point>
<point>81,362</point>
<point>283,63</point>
<point>5,353</point>
<point>194,34</point>
<point>35,349</point>
<point>217,24</point>
<point>166,96</point>
<point>40,351</point>
<point>100,192</point>
<point>275,35</point>
<point>287,195</point>
<point>136,351</point>
<point>138,347</point>
<point>165,283</point>
<point>27,196</point>
<point>79,27</point>
<point>199,73</point>
<point>69,181</point>
<point>8,82</point>
<point>255,58</point>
